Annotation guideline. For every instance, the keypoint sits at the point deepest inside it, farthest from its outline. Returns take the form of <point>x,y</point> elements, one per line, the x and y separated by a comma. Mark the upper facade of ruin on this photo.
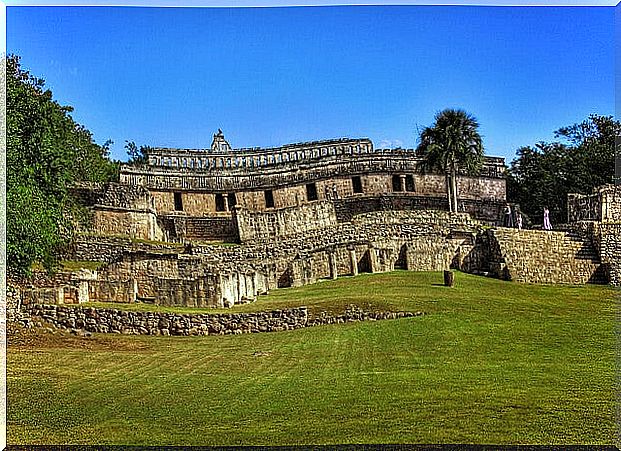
<point>222,167</point>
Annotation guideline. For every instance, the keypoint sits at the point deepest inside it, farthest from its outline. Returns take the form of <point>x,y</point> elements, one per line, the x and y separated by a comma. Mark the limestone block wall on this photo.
<point>193,203</point>
<point>13,301</point>
<point>180,228</point>
<point>611,203</point>
<point>375,183</point>
<point>200,291</point>
<point>432,253</point>
<point>603,205</point>
<point>164,201</point>
<point>165,324</point>
<point>100,248</point>
<point>196,203</point>
<point>488,211</point>
<point>208,275</point>
<point>583,208</point>
<point>126,196</point>
<point>158,323</point>
<point>610,249</point>
<point>116,195</point>
<point>239,287</point>
<point>374,242</point>
<point>467,187</point>
<point>283,222</point>
<point>143,268</point>
<point>62,287</point>
<point>483,188</point>
<point>120,209</point>
<point>122,291</point>
<point>537,256</point>
<point>136,224</point>
<point>156,280</point>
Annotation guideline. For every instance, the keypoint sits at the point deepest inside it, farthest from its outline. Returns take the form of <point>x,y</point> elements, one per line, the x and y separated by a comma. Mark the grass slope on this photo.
<point>492,362</point>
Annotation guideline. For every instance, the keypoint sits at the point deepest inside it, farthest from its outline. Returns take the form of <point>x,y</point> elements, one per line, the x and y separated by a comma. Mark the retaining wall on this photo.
<point>158,323</point>
<point>538,256</point>
<point>283,222</point>
<point>603,205</point>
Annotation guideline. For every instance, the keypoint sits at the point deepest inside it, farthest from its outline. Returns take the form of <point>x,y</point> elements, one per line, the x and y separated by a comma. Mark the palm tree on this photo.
<point>452,145</point>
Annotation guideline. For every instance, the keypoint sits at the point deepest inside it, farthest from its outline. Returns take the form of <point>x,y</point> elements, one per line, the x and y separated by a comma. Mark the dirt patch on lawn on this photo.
<point>18,337</point>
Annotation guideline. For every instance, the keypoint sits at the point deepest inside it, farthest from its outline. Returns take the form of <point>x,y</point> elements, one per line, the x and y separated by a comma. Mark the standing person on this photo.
<point>518,220</point>
<point>546,219</point>
<point>508,217</point>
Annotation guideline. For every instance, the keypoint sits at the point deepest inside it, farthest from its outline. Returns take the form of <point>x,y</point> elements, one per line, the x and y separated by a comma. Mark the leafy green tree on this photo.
<point>581,159</point>
<point>46,152</point>
<point>452,145</point>
<point>137,155</point>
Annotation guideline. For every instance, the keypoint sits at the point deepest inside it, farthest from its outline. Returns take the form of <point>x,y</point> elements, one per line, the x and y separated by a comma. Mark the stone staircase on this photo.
<point>538,256</point>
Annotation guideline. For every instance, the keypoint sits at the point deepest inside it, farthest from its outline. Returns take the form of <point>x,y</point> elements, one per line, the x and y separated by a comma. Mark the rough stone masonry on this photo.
<point>158,323</point>
<point>293,215</point>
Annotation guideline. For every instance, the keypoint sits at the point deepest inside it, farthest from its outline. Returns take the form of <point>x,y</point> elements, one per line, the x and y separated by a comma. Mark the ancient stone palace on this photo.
<point>220,226</point>
<point>185,194</point>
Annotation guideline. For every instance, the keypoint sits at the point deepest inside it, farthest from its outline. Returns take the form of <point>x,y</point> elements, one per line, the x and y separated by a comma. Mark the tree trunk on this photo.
<point>454,181</point>
<point>447,180</point>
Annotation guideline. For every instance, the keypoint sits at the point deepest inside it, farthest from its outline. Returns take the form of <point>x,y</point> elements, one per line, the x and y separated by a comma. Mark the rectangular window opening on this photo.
<point>409,183</point>
<point>269,199</point>
<point>220,203</point>
<point>357,184</point>
<point>232,198</point>
<point>178,202</point>
<point>396,183</point>
<point>311,192</point>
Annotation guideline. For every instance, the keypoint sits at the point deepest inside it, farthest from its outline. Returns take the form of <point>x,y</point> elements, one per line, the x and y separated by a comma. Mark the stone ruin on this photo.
<point>219,227</point>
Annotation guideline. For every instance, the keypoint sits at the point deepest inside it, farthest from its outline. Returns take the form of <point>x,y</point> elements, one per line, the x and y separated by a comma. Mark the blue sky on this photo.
<point>271,76</point>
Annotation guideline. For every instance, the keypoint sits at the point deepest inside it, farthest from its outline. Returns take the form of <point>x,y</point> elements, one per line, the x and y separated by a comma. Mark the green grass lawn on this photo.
<point>491,362</point>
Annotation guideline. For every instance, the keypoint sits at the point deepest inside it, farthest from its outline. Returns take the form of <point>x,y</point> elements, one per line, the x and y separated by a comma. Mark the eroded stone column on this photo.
<point>333,266</point>
<point>83,292</point>
<point>220,292</point>
<point>133,290</point>
<point>233,289</point>
<point>296,273</point>
<point>373,263</point>
<point>255,284</point>
<point>353,262</point>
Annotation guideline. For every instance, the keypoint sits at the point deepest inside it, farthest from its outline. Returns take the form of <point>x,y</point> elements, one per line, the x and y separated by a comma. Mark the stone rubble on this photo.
<point>83,320</point>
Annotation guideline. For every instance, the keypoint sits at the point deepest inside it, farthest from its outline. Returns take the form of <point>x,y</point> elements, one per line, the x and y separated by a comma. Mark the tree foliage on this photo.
<point>137,155</point>
<point>452,145</point>
<point>47,151</point>
<point>581,159</point>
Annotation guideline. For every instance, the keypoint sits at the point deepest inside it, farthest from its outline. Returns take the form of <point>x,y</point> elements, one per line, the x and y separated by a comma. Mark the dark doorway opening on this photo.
<point>364,264</point>
<point>311,192</point>
<point>269,199</point>
<point>220,203</point>
<point>232,198</point>
<point>409,183</point>
<point>396,183</point>
<point>402,259</point>
<point>284,281</point>
<point>178,202</point>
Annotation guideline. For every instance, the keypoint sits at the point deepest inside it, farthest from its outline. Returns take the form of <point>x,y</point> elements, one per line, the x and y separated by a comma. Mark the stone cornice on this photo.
<point>284,173</point>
